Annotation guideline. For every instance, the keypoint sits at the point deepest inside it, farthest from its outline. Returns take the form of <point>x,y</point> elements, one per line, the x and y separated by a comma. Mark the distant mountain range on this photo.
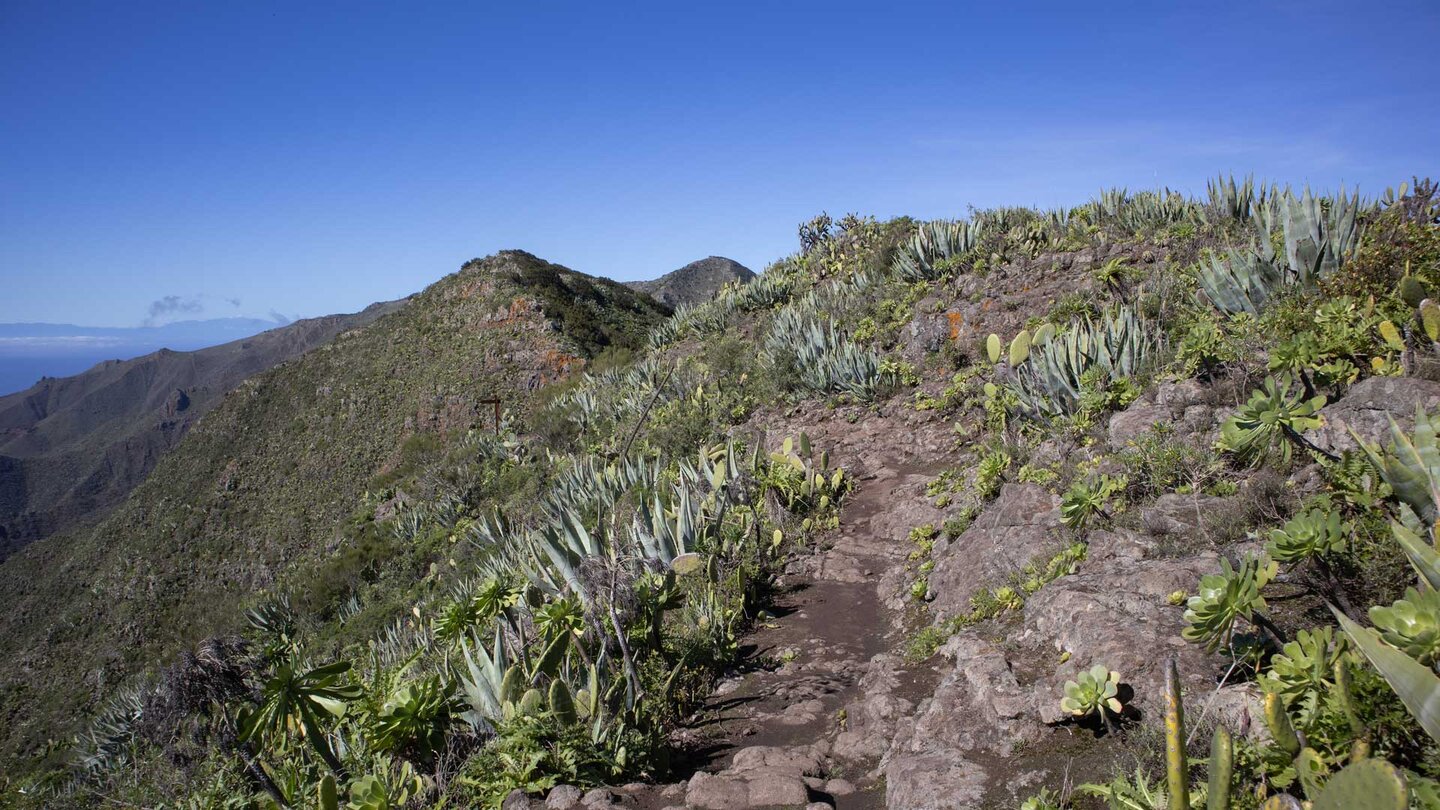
<point>695,282</point>
<point>30,351</point>
<point>72,447</point>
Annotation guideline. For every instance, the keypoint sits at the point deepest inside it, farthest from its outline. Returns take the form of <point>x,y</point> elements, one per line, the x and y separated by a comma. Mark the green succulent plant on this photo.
<point>391,787</point>
<point>1224,597</point>
<point>1270,423</point>
<point>1314,533</point>
<point>416,717</point>
<point>923,257</point>
<point>1240,281</point>
<point>1303,673</point>
<point>1087,499</point>
<point>1094,692</point>
<point>1412,624</point>
<point>1050,383</point>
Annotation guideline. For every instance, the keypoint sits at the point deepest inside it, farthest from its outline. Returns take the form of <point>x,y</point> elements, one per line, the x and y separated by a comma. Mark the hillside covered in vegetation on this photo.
<point>1129,504</point>
<point>71,448</point>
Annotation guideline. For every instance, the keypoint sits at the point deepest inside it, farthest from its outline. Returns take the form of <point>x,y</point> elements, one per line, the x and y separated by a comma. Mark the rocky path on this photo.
<point>780,734</point>
<point>816,704</point>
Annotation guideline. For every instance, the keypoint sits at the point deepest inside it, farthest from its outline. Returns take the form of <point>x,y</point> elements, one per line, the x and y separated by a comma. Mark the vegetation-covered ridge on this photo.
<point>548,605</point>
<point>270,487</point>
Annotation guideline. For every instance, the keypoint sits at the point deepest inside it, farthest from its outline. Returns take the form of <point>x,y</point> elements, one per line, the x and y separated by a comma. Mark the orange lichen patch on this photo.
<point>956,321</point>
<point>521,309</point>
<point>559,364</point>
<point>985,307</point>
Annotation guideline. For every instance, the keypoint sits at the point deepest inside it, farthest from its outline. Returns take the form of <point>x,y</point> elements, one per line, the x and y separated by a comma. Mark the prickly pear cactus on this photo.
<point>1222,762</point>
<point>1280,727</point>
<point>1411,291</point>
<point>1177,768</point>
<point>992,347</point>
<point>562,702</point>
<point>1391,335</point>
<point>329,798</point>
<point>1020,348</point>
<point>1372,783</point>
<point>1429,314</point>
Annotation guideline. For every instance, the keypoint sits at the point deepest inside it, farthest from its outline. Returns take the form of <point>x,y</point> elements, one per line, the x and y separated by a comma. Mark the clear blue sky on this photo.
<point>309,158</point>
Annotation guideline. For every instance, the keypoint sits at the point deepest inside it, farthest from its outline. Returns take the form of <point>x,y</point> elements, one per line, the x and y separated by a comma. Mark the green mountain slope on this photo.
<point>259,488</point>
<point>696,282</point>
<point>72,448</point>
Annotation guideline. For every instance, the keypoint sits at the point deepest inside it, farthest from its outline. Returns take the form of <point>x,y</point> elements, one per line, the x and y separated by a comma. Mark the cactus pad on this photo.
<point>1371,783</point>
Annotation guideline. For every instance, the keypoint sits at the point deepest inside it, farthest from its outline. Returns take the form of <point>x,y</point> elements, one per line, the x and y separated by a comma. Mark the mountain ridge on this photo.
<point>71,447</point>
<point>262,487</point>
<point>695,283</point>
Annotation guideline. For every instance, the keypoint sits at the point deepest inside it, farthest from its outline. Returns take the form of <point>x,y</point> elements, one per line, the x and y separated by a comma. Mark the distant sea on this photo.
<point>19,373</point>
<point>29,351</point>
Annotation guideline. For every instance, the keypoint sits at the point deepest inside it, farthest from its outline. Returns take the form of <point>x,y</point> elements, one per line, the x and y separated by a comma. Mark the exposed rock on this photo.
<point>929,331</point>
<point>1368,408</point>
<point>1179,404</point>
<point>1179,514</point>
<point>978,706</point>
<point>759,776</point>
<point>515,800</point>
<point>600,797</point>
<point>563,797</point>
<point>802,761</point>
<point>870,723</point>
<point>1018,527</point>
<point>935,781</point>
<point>1123,622</point>
<point>713,792</point>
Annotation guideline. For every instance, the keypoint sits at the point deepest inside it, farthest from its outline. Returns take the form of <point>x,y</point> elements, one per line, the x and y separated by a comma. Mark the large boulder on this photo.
<point>979,706</point>
<point>941,780</point>
<point>1368,408</point>
<point>870,722</point>
<point>1179,404</point>
<point>759,776</point>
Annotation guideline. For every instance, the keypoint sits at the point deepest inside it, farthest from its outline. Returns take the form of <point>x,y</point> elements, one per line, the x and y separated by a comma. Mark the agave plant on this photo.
<point>1049,382</point>
<point>920,258</point>
<point>1318,237</point>
<point>1240,281</point>
<point>1412,624</point>
<point>822,359</point>
<point>106,744</point>
<point>1311,534</point>
<point>1229,200</point>
<point>1095,692</point>
<point>1412,466</point>
<point>483,681</point>
<point>1271,422</point>
<point>1223,598</point>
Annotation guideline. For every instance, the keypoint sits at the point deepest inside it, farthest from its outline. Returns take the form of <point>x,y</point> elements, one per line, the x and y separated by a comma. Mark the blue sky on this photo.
<point>305,158</point>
